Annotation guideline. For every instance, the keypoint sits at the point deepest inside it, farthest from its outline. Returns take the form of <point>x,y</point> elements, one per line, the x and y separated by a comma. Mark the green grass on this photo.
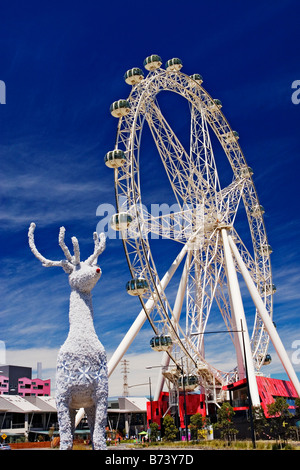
<point>219,444</point>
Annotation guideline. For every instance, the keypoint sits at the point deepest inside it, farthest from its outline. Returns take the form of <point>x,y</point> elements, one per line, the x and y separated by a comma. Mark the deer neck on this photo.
<point>81,314</point>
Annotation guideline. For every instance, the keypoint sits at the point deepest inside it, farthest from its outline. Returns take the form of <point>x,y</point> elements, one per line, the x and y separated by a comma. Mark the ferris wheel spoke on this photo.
<point>168,319</point>
<point>161,317</point>
<point>202,288</point>
<point>201,154</point>
<point>186,179</point>
<point>178,225</point>
<point>228,201</point>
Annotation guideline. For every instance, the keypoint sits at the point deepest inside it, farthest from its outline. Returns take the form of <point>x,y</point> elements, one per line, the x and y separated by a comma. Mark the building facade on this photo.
<point>17,380</point>
<point>268,388</point>
<point>188,405</point>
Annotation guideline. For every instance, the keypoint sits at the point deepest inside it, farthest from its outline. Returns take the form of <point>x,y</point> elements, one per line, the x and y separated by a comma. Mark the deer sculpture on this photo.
<point>81,375</point>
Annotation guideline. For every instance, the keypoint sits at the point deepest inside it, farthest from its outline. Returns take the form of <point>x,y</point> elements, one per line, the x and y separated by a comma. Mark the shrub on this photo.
<point>170,428</point>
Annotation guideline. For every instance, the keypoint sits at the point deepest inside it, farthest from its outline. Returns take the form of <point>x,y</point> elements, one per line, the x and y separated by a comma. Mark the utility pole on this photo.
<point>125,370</point>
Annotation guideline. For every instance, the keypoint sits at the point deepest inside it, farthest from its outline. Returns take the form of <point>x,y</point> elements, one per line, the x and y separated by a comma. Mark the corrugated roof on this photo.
<point>42,404</point>
<point>46,404</point>
<point>16,404</point>
<point>133,403</point>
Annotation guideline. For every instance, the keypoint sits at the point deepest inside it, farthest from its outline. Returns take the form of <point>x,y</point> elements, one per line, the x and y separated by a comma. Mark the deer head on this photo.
<point>83,275</point>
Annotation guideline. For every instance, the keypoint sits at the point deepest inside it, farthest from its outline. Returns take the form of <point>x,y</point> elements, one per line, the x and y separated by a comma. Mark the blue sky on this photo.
<point>63,65</point>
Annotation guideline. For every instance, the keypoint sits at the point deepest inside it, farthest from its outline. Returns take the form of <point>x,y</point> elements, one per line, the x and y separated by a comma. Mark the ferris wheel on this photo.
<point>215,229</point>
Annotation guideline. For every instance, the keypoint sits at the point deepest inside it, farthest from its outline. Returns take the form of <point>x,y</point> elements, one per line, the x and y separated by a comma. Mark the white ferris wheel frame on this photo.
<point>194,180</point>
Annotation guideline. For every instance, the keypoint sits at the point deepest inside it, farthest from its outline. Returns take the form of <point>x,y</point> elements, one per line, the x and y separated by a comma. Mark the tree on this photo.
<point>197,422</point>
<point>259,420</point>
<point>225,424</point>
<point>280,416</point>
<point>297,407</point>
<point>153,431</point>
<point>170,428</point>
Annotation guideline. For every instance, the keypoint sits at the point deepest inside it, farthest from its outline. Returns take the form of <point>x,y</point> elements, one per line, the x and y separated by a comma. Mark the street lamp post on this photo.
<point>150,399</point>
<point>146,383</point>
<point>184,403</point>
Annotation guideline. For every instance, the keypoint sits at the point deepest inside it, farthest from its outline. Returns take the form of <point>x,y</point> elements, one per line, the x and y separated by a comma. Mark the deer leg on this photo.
<point>66,421</point>
<point>99,441</point>
<point>90,414</point>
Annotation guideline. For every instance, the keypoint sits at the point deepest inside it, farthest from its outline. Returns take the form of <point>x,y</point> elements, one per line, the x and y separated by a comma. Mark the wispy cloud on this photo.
<point>49,198</point>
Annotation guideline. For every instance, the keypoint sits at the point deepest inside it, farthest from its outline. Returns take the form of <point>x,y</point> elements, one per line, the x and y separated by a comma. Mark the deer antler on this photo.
<point>76,250</point>
<point>65,264</point>
<point>70,261</point>
<point>61,241</point>
<point>100,243</point>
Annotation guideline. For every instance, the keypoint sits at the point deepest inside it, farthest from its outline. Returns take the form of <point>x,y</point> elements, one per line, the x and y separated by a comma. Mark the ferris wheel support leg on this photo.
<point>239,317</point>
<point>262,311</point>
<point>176,315</point>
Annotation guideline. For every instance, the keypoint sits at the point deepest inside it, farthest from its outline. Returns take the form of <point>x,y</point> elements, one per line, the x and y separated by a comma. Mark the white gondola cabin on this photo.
<point>190,382</point>
<point>120,221</point>
<point>119,108</point>
<point>265,249</point>
<point>133,76</point>
<point>137,286</point>
<point>245,172</point>
<point>173,65</point>
<point>215,105</point>
<point>152,62</point>
<point>161,342</point>
<point>257,210</point>
<point>231,137</point>
<point>197,78</point>
<point>267,360</point>
<point>114,158</point>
